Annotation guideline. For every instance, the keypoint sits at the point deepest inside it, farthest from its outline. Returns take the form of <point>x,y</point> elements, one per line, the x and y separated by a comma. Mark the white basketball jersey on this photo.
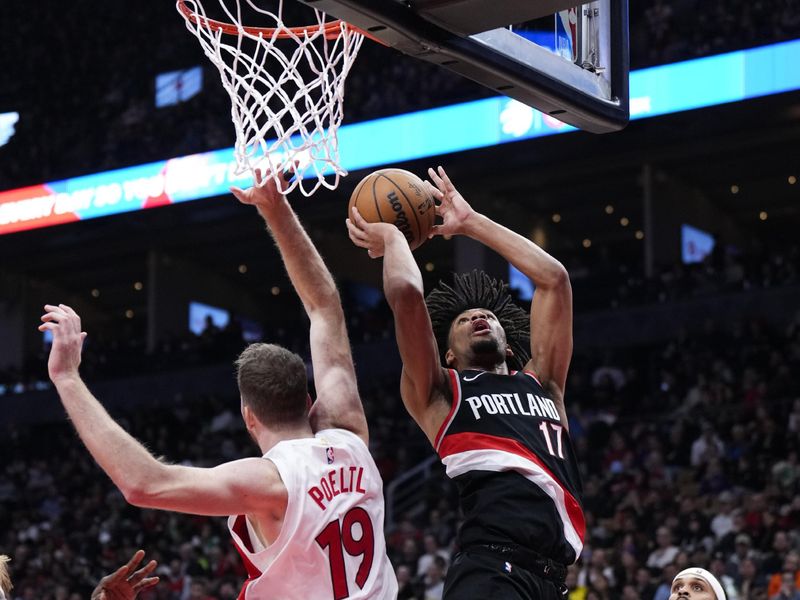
<point>331,544</point>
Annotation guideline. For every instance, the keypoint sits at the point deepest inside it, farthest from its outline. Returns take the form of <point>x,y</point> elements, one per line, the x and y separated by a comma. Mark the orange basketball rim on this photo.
<point>331,29</point>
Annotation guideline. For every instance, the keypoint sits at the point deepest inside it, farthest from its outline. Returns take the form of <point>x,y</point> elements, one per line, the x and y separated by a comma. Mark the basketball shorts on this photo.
<point>480,576</point>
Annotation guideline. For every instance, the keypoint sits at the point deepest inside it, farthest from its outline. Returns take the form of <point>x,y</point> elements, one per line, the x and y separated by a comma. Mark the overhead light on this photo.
<point>95,293</point>
<point>275,290</point>
<point>639,234</point>
<point>763,215</point>
<point>242,269</point>
<point>138,286</point>
<point>129,314</point>
<point>429,266</point>
<point>556,218</point>
<point>7,122</point>
<point>734,189</point>
<point>609,209</point>
<point>624,221</point>
<point>587,243</point>
<point>792,179</point>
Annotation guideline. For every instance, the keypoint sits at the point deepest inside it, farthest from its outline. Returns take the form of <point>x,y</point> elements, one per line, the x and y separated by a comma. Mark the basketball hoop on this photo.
<point>286,86</point>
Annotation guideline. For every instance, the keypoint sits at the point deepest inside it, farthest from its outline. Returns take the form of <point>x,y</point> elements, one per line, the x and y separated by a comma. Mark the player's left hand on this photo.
<point>65,353</point>
<point>264,195</point>
<point>372,236</point>
<point>121,585</point>
<point>454,210</point>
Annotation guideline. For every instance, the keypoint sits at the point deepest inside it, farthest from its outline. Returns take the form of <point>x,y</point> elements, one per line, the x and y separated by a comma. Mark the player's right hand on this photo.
<point>264,195</point>
<point>372,236</point>
<point>65,352</point>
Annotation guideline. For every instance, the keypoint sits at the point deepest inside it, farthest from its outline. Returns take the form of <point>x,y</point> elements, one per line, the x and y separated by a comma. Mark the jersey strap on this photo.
<point>455,387</point>
<point>469,451</point>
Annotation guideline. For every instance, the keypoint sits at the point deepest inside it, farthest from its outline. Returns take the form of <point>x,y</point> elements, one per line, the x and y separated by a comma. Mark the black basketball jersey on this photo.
<point>503,445</point>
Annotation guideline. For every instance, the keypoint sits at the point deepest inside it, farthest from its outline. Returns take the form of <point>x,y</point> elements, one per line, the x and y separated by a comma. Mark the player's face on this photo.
<point>691,588</point>
<point>476,338</point>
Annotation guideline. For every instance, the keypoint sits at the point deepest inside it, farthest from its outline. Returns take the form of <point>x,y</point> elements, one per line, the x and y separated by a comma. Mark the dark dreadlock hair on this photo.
<point>478,290</point>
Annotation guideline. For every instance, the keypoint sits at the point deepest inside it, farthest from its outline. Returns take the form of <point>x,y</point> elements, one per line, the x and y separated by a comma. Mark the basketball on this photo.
<point>398,197</point>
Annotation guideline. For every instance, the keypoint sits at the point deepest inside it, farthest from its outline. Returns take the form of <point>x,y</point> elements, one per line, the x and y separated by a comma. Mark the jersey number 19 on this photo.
<point>339,539</point>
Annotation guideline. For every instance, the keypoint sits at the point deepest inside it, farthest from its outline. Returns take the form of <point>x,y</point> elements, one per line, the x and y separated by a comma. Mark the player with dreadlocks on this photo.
<point>492,402</point>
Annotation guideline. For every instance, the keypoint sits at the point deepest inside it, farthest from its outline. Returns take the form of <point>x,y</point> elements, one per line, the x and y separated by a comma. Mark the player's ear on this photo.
<point>509,351</point>
<point>249,417</point>
<point>450,359</point>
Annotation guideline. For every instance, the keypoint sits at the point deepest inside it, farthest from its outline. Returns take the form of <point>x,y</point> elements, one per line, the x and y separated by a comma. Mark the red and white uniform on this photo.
<point>331,544</point>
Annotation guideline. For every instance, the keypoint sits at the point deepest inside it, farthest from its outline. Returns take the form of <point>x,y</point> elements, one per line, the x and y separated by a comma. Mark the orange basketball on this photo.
<point>398,197</point>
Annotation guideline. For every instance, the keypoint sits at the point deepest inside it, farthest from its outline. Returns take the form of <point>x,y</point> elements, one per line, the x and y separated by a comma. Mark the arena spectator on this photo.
<point>665,552</point>
<point>788,587</point>
<point>786,580</point>
<point>432,550</point>
<point>406,589</point>
<point>706,447</point>
<point>434,579</point>
<point>748,581</point>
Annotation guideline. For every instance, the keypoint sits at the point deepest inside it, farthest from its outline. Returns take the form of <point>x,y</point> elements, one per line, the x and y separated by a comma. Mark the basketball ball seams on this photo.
<point>375,198</point>
<point>410,206</point>
<point>354,197</point>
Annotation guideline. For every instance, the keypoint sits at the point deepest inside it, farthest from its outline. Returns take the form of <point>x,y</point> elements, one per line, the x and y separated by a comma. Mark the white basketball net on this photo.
<point>286,94</point>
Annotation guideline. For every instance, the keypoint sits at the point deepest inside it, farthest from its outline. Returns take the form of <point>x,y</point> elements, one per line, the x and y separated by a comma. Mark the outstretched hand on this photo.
<point>371,236</point>
<point>451,206</point>
<point>265,194</point>
<point>65,353</point>
<point>124,584</point>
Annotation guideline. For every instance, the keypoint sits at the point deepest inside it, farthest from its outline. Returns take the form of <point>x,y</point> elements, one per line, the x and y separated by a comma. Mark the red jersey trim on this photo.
<point>455,387</point>
<point>535,378</point>
<point>469,442</point>
<point>243,593</point>
<point>240,529</point>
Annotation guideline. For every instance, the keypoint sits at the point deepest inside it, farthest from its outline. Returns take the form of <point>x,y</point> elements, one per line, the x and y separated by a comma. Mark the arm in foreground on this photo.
<point>402,285</point>
<point>338,402</point>
<point>251,485</point>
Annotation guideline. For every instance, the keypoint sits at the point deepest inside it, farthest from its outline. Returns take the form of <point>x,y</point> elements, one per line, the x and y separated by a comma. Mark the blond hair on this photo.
<point>5,578</point>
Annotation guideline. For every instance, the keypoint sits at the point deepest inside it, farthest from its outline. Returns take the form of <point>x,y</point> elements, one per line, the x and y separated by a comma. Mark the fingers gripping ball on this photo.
<point>398,197</point>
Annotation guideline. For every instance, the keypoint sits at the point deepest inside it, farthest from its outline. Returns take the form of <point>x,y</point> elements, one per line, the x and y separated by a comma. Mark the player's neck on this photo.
<point>268,438</point>
<point>498,369</point>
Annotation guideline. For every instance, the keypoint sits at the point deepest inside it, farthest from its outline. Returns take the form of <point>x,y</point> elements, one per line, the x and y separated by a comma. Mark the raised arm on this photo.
<point>249,486</point>
<point>422,384</point>
<point>338,402</point>
<point>551,311</point>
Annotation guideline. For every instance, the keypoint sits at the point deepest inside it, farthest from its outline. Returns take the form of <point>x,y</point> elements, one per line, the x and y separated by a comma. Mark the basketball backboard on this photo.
<point>582,80</point>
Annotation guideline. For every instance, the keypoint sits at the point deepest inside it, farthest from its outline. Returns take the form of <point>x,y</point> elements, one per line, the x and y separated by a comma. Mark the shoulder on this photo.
<point>254,478</point>
<point>262,467</point>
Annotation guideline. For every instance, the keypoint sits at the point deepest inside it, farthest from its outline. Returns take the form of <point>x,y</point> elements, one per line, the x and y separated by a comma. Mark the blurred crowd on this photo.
<point>604,280</point>
<point>83,80</point>
<point>664,31</point>
<point>688,450</point>
<point>601,282</point>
